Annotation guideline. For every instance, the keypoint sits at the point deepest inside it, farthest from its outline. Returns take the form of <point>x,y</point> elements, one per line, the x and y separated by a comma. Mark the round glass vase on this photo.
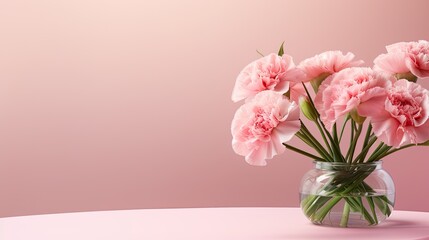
<point>347,195</point>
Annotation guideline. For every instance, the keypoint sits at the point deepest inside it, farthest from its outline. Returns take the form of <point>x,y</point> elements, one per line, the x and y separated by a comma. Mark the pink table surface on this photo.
<point>202,223</point>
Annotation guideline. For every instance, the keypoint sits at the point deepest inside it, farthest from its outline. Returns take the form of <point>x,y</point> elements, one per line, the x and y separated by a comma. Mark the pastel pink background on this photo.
<point>126,104</point>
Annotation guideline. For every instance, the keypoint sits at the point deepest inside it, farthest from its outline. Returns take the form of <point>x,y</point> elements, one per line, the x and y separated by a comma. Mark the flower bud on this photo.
<point>356,117</point>
<point>307,109</point>
<point>408,75</point>
<point>317,81</point>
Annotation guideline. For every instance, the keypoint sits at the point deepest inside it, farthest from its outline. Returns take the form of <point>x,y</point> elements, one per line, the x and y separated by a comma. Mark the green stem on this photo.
<point>334,148</point>
<point>319,216</point>
<point>367,136</point>
<point>364,212</point>
<point>313,144</point>
<point>366,142</point>
<point>317,121</point>
<point>303,152</point>
<point>314,204</point>
<point>403,147</point>
<point>344,126</point>
<point>338,156</point>
<point>313,139</point>
<point>376,150</point>
<point>352,136</point>
<point>372,206</point>
<point>353,146</point>
<point>383,203</point>
<point>361,157</point>
<point>324,138</point>
<point>378,155</point>
<point>345,217</point>
<point>335,133</point>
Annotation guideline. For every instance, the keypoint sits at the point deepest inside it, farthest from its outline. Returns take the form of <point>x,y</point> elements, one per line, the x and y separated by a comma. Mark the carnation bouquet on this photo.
<point>383,110</point>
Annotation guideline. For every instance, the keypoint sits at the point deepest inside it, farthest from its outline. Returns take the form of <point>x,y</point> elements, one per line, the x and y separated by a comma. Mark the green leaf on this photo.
<point>281,50</point>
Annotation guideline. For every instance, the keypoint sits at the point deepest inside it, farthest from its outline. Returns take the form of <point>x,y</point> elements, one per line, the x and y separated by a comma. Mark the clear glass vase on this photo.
<point>347,195</point>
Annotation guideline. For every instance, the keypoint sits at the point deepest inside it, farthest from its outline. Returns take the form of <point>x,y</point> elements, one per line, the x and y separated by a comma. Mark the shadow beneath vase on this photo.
<point>394,223</point>
<point>388,224</point>
<point>390,229</point>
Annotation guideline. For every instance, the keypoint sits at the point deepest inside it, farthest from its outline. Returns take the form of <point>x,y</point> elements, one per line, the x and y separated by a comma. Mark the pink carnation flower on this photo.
<point>297,91</point>
<point>344,91</point>
<point>406,57</point>
<point>261,125</point>
<point>271,72</point>
<point>326,64</point>
<point>403,117</point>
<point>391,63</point>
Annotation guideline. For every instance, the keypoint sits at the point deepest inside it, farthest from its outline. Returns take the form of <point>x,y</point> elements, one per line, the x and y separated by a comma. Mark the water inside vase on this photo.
<point>361,210</point>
